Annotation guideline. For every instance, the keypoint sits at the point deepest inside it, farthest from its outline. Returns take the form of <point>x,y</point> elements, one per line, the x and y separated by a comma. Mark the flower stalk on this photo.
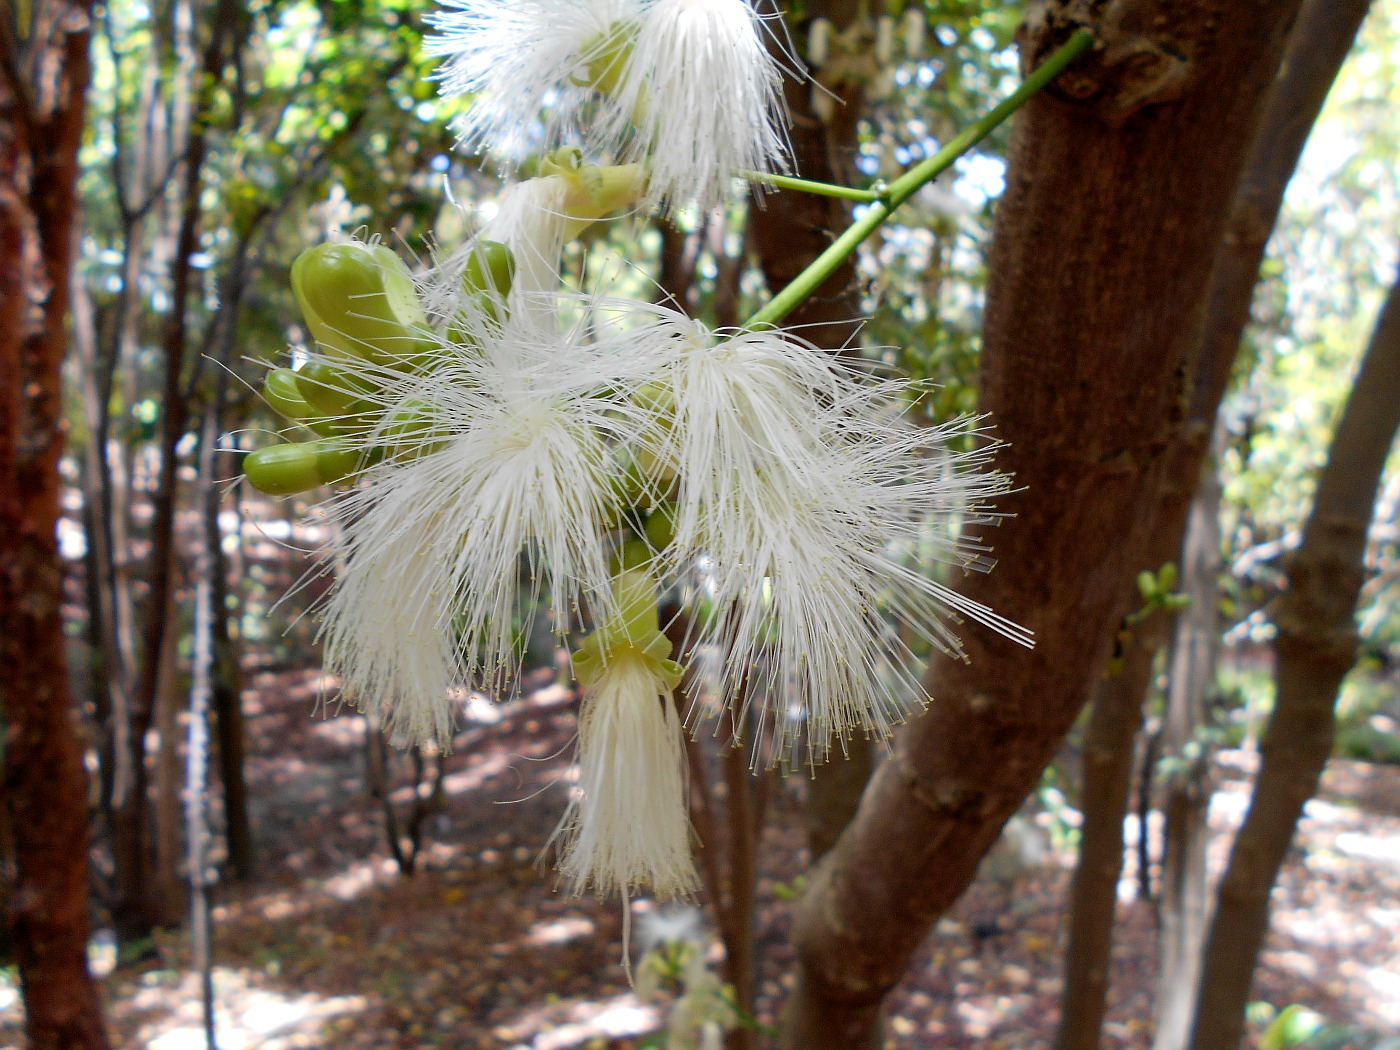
<point>908,184</point>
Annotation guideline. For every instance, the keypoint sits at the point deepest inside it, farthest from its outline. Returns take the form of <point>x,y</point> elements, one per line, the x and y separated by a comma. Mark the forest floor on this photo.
<point>331,947</point>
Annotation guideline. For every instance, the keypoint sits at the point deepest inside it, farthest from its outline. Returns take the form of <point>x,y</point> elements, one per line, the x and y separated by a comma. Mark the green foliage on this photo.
<point>1331,259</point>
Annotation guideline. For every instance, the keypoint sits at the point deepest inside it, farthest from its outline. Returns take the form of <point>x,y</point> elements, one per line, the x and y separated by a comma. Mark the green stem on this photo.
<point>904,187</point>
<point>821,189</point>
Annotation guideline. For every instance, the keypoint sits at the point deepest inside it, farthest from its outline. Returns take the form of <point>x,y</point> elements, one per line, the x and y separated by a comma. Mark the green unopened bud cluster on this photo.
<point>361,306</point>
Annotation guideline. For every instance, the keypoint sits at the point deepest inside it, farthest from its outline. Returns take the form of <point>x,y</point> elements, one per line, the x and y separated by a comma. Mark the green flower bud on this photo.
<point>486,282</point>
<point>284,395</point>
<point>333,392</point>
<point>359,302</point>
<point>280,470</point>
<point>490,268</point>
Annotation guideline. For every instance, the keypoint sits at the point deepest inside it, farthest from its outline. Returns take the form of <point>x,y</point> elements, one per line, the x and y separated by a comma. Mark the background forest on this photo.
<point>1166,338</point>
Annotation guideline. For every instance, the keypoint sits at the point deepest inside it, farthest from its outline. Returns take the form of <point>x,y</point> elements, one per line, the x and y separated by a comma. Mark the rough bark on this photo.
<point>1185,900</point>
<point>1316,646</point>
<point>43,75</point>
<point>1118,187</point>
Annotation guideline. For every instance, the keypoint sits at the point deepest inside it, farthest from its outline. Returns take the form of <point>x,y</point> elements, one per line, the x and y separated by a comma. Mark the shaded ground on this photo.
<point>332,948</point>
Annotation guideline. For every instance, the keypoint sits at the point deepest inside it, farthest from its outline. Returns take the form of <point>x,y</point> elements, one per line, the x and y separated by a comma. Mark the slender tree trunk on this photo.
<point>1316,646</point>
<point>138,909</point>
<point>1191,681</point>
<point>168,903</point>
<point>1146,777</point>
<point>227,686</point>
<point>1315,53</point>
<point>1108,776</point>
<point>1117,193</point>
<point>44,70</point>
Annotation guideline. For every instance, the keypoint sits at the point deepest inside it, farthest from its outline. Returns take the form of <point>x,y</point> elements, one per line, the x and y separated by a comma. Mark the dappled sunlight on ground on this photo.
<point>247,1016</point>
<point>563,1024</point>
<point>332,948</point>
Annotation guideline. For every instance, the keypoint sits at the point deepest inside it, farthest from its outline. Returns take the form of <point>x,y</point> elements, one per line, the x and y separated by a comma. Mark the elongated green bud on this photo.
<point>333,392</point>
<point>359,302</point>
<point>284,395</point>
<point>280,470</point>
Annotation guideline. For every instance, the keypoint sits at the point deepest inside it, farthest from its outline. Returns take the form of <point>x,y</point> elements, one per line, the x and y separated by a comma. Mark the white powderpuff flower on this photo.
<point>815,506</point>
<point>523,61</point>
<point>704,94</point>
<point>688,87</point>
<point>627,827</point>
<point>498,449</point>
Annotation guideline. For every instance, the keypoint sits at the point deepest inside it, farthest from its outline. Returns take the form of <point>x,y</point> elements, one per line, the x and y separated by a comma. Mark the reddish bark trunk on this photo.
<point>45,783</point>
<point>1117,194</point>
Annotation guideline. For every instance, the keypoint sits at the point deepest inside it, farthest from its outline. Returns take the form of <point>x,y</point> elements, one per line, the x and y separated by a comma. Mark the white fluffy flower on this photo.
<point>627,827</point>
<point>704,93</point>
<point>817,509</point>
<point>498,449</point>
<point>523,61</point>
<point>688,88</point>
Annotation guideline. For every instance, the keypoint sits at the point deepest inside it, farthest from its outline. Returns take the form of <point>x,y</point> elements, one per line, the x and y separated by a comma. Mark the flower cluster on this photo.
<point>690,88</point>
<point>503,446</point>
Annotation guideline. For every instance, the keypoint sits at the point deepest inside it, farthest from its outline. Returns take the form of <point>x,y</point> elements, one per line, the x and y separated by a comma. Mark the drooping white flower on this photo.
<point>627,827</point>
<point>687,88</point>
<point>704,93</point>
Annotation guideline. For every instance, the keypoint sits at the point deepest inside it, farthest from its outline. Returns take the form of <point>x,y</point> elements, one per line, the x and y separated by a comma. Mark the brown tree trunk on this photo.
<point>1116,199</point>
<point>43,76</point>
<point>1316,49</point>
<point>1108,775</point>
<point>1316,647</point>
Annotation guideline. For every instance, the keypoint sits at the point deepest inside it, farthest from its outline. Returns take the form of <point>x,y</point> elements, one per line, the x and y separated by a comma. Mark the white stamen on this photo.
<point>627,828</point>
